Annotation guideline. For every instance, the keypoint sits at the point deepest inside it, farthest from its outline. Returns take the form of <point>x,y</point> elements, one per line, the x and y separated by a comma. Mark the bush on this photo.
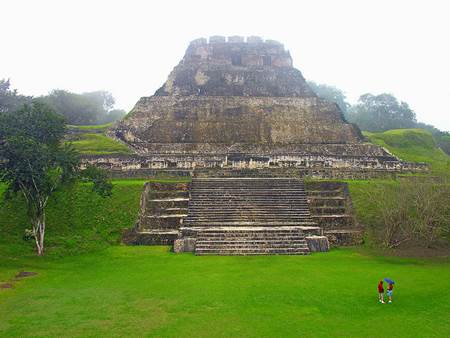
<point>414,210</point>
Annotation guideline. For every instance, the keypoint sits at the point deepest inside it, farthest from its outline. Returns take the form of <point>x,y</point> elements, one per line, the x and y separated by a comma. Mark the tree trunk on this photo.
<point>39,232</point>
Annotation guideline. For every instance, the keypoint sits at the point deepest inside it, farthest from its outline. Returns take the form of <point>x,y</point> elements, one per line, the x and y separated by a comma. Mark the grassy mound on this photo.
<point>95,127</point>
<point>414,145</point>
<point>98,144</point>
<point>78,220</point>
<point>148,291</point>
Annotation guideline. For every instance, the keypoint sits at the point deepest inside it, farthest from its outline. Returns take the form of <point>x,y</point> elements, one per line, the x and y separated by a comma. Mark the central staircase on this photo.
<point>249,216</point>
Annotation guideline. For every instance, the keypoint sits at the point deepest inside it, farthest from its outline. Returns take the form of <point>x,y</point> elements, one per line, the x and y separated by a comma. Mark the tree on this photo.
<point>114,115</point>
<point>37,162</point>
<point>81,109</point>
<point>10,100</point>
<point>331,93</point>
<point>381,112</point>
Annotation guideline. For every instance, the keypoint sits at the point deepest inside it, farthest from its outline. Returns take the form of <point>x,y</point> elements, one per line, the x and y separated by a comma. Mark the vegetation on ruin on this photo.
<point>407,212</point>
<point>95,127</point>
<point>78,219</point>
<point>413,145</point>
<point>148,291</point>
<point>98,144</point>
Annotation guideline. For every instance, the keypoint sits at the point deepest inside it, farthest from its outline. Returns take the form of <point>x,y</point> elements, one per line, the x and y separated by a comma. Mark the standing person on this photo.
<point>381,292</point>
<point>389,292</point>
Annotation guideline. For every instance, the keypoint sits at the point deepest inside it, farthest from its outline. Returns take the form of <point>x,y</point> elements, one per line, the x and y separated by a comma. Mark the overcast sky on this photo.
<point>129,47</point>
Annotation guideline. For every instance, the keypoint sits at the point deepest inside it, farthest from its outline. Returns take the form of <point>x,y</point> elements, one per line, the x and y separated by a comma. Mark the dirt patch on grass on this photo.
<point>6,286</point>
<point>23,274</point>
<point>20,275</point>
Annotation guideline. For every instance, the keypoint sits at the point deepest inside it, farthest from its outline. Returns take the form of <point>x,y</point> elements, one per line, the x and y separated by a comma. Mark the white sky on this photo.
<point>129,47</point>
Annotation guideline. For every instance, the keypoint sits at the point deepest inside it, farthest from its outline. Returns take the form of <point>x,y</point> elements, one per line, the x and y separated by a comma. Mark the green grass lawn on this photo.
<point>414,145</point>
<point>148,291</point>
<point>98,144</point>
<point>88,285</point>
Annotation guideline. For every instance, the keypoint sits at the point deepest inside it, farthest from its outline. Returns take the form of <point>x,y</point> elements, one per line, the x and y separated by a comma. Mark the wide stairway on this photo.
<point>251,241</point>
<point>249,216</point>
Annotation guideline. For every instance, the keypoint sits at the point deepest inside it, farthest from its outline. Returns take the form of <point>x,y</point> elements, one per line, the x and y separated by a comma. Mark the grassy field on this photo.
<point>148,291</point>
<point>98,144</point>
<point>414,145</point>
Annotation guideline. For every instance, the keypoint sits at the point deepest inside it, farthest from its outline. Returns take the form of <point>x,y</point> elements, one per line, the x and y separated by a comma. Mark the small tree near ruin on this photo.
<point>35,162</point>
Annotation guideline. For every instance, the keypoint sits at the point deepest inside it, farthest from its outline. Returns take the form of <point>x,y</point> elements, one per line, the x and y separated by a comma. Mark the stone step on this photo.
<point>327,210</point>
<point>213,241</point>
<point>281,211</point>
<point>317,198</point>
<point>249,246</point>
<point>250,224</point>
<point>248,220</point>
<point>327,202</point>
<point>260,251</point>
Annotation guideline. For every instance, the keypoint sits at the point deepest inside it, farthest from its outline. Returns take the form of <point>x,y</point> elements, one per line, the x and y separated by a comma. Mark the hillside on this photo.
<point>413,145</point>
<point>92,140</point>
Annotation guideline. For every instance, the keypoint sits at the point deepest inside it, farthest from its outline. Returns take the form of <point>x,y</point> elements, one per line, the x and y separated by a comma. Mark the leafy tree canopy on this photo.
<point>331,93</point>
<point>84,109</point>
<point>10,100</point>
<point>381,112</point>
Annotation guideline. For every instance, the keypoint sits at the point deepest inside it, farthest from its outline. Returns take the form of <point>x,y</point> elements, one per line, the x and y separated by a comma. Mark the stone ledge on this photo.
<point>318,243</point>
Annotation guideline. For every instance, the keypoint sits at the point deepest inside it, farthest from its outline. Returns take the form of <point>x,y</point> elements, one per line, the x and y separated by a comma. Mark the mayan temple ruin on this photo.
<point>242,121</point>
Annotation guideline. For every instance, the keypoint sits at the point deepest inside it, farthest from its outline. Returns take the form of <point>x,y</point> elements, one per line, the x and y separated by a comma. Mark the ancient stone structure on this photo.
<point>236,115</point>
<point>233,216</point>
<point>236,104</point>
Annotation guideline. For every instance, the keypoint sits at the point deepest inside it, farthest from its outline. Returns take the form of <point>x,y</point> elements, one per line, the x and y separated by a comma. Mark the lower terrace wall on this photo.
<point>314,166</point>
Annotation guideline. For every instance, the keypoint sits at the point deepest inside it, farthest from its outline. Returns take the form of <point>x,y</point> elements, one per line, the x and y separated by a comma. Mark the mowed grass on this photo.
<point>413,145</point>
<point>148,291</point>
<point>98,144</point>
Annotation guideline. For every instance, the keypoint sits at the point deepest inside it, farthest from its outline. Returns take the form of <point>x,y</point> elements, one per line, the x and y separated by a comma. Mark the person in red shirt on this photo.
<point>381,292</point>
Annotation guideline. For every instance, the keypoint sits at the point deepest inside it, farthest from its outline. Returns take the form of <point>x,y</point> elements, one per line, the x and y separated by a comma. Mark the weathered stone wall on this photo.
<point>331,207</point>
<point>236,68</point>
<point>300,165</point>
<point>233,120</point>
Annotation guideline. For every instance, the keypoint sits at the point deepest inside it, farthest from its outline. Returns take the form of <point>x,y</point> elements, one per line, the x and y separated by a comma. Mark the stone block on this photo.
<point>255,39</point>
<point>236,38</point>
<point>318,243</point>
<point>186,244</point>
<point>344,237</point>
<point>217,39</point>
<point>199,42</point>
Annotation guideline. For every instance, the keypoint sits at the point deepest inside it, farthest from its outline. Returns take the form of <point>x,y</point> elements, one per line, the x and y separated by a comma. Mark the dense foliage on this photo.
<point>10,100</point>
<point>84,109</point>
<point>331,93</point>
<point>381,112</point>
